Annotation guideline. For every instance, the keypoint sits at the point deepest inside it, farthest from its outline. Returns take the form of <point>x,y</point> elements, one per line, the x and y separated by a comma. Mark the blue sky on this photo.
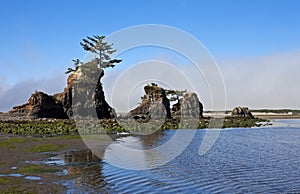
<point>40,38</point>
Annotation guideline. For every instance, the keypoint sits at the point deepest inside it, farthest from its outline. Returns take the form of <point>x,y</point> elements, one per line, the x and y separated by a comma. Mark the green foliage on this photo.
<point>242,122</point>
<point>67,137</point>
<point>12,189</point>
<point>45,148</point>
<point>37,169</point>
<point>229,122</point>
<point>10,143</point>
<point>68,129</point>
<point>77,64</point>
<point>102,51</point>
<point>3,181</point>
<point>36,127</point>
<point>176,94</point>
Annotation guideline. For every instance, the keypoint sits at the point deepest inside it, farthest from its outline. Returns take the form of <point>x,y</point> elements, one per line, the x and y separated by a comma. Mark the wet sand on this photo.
<point>18,152</point>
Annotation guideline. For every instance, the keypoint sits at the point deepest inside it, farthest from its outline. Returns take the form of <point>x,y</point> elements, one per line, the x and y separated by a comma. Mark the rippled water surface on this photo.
<point>243,160</point>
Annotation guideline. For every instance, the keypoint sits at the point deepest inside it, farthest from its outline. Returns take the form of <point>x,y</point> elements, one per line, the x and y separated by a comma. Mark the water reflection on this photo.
<point>88,167</point>
<point>261,160</point>
<point>32,178</point>
<point>151,140</point>
<point>146,152</point>
<point>80,156</point>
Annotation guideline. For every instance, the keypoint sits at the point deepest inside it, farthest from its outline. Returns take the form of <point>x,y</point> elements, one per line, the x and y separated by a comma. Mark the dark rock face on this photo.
<point>60,105</point>
<point>103,109</point>
<point>40,105</point>
<point>85,96</point>
<point>65,98</point>
<point>241,112</point>
<point>154,104</point>
<point>188,106</point>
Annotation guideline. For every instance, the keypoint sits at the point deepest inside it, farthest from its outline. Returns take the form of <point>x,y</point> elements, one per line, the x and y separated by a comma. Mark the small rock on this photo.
<point>14,168</point>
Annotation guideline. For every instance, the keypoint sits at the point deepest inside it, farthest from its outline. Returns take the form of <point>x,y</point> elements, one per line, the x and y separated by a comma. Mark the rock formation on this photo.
<point>88,97</point>
<point>154,104</point>
<point>65,98</point>
<point>60,105</point>
<point>40,105</point>
<point>188,106</point>
<point>103,109</point>
<point>241,112</point>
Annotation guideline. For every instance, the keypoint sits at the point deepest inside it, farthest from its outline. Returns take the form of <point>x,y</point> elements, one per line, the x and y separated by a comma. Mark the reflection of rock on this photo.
<point>88,168</point>
<point>241,112</point>
<point>188,106</point>
<point>150,140</point>
<point>154,103</point>
<point>89,179</point>
<point>80,156</point>
<point>40,105</point>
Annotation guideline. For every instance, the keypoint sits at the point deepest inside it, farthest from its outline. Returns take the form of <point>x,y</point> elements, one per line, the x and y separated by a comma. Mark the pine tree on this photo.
<point>102,51</point>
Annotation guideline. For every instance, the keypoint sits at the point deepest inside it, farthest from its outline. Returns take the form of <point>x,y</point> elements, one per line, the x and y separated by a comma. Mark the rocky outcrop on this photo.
<point>155,104</point>
<point>88,99</point>
<point>188,106</point>
<point>65,98</point>
<point>103,109</point>
<point>241,112</point>
<point>61,105</point>
<point>40,105</point>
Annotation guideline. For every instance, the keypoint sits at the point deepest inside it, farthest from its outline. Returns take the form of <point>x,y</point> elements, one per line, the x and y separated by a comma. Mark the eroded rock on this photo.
<point>155,104</point>
<point>188,106</point>
<point>241,112</point>
<point>40,105</point>
<point>89,100</point>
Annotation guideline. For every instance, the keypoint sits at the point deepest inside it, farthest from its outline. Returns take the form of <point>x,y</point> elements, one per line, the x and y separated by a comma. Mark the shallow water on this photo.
<point>242,160</point>
<point>32,178</point>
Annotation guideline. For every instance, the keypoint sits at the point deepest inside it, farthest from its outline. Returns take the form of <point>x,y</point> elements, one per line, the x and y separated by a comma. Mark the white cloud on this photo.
<point>258,82</point>
<point>263,82</point>
<point>3,85</point>
<point>124,89</point>
<point>12,95</point>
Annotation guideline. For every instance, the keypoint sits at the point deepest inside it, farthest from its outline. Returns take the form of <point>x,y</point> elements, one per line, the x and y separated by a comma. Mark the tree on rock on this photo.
<point>176,95</point>
<point>89,96</point>
<point>101,49</point>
